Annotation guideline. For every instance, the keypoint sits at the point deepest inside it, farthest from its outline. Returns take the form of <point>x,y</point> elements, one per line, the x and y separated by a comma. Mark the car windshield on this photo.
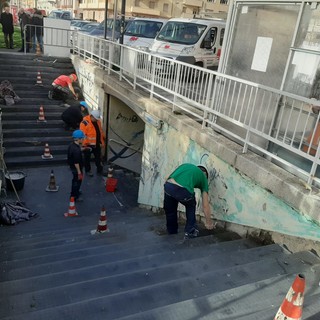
<point>143,28</point>
<point>55,15</point>
<point>88,27</point>
<point>181,32</point>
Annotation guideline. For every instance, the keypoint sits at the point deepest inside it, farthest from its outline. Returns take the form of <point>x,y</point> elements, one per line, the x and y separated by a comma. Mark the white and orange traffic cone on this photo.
<point>52,187</point>
<point>102,224</point>
<point>39,79</point>
<point>110,172</point>
<point>47,155</point>
<point>72,212</point>
<point>291,307</point>
<point>41,117</point>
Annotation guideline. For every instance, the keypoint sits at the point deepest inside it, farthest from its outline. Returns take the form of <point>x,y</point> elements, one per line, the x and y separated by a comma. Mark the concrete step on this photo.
<point>31,124</point>
<point>178,268</point>
<point>12,142</point>
<point>260,300</point>
<point>34,108</point>
<point>125,260</point>
<point>148,289</point>
<point>54,115</point>
<point>41,131</point>
<point>27,161</point>
<point>34,151</point>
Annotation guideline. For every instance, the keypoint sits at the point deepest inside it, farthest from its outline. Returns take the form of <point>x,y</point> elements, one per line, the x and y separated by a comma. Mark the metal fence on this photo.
<point>279,126</point>
<point>36,37</point>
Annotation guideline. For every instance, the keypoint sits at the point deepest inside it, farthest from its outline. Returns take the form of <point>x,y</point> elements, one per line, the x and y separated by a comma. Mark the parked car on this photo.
<point>79,24</point>
<point>87,28</point>
<point>141,32</point>
<point>60,14</point>
<point>195,41</point>
<point>99,31</point>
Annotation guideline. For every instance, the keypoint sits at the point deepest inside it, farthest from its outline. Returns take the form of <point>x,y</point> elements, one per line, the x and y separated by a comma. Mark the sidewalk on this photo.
<point>51,206</point>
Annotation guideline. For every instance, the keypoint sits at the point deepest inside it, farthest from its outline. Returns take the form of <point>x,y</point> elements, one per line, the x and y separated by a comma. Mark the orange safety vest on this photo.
<point>88,129</point>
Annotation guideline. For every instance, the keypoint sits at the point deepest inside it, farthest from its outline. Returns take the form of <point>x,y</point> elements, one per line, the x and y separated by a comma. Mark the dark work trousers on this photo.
<point>96,150</point>
<point>75,185</point>
<point>8,38</point>
<point>173,194</point>
<point>61,93</point>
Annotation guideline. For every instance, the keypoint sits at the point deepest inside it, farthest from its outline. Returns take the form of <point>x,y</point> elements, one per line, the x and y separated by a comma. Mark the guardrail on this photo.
<point>275,124</point>
<point>34,35</point>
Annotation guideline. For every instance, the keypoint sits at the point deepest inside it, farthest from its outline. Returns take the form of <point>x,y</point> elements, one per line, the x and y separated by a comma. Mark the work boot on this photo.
<point>191,235</point>
<point>89,173</point>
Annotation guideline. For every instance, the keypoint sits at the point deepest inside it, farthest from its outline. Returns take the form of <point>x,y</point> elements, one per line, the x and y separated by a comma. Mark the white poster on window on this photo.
<point>261,54</point>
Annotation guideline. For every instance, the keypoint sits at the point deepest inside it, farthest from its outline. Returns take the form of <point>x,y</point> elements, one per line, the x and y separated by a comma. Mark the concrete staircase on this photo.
<point>25,137</point>
<point>53,268</point>
<point>134,273</point>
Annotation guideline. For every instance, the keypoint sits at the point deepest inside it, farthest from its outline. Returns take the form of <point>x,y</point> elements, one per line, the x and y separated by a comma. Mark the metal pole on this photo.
<point>123,13</point>
<point>105,18</point>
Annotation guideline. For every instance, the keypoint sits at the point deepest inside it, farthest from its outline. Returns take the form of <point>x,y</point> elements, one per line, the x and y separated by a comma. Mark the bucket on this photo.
<point>17,178</point>
<point>111,184</point>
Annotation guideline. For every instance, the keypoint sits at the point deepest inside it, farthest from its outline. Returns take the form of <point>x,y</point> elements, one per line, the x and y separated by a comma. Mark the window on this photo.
<point>165,7</point>
<point>137,3</point>
<point>152,4</point>
<point>223,1</point>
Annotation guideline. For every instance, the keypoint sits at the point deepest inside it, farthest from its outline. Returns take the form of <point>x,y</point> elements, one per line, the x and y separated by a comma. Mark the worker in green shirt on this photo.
<point>179,188</point>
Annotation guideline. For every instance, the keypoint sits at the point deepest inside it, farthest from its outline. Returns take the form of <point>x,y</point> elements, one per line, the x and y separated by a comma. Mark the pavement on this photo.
<point>51,206</point>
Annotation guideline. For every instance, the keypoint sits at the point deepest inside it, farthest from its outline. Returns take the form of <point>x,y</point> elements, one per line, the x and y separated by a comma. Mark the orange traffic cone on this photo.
<point>72,212</point>
<point>41,117</point>
<point>102,224</point>
<point>47,155</point>
<point>39,80</point>
<point>291,307</point>
<point>52,187</point>
<point>111,183</point>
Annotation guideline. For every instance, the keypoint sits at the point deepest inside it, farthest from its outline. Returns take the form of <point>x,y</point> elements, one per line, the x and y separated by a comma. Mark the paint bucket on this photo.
<point>17,178</point>
<point>111,184</point>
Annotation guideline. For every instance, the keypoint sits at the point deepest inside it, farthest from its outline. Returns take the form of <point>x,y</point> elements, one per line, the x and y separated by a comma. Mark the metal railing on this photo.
<point>34,35</point>
<point>275,124</point>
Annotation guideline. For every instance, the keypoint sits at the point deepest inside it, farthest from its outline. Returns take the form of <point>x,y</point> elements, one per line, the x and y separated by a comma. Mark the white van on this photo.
<point>194,41</point>
<point>141,32</point>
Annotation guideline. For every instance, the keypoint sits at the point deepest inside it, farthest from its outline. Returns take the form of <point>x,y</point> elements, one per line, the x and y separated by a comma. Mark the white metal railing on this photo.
<point>276,124</point>
<point>34,35</point>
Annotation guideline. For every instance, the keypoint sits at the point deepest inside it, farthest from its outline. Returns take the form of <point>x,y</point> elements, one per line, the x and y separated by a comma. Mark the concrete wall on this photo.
<point>245,189</point>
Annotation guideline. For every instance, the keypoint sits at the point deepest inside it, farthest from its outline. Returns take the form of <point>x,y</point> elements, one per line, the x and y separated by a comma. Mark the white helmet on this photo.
<point>96,114</point>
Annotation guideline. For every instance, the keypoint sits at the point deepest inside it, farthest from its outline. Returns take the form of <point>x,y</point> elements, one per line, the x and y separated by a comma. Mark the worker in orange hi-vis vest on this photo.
<point>93,142</point>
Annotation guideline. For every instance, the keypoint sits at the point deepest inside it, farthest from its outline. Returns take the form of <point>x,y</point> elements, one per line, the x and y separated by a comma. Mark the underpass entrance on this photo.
<point>125,135</point>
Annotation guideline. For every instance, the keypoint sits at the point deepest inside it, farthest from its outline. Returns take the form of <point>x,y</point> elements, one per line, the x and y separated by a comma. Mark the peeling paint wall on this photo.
<point>233,197</point>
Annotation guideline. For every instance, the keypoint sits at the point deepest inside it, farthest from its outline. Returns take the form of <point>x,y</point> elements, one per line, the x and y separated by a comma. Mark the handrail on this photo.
<point>276,124</point>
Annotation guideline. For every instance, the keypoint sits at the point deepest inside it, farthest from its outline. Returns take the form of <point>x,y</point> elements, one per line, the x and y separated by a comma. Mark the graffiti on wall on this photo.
<point>88,87</point>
